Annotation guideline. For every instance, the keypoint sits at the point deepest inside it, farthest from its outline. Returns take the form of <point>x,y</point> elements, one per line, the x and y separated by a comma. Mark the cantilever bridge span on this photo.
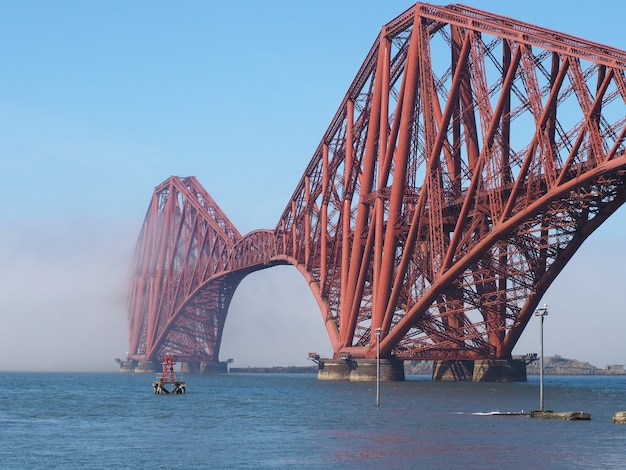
<point>471,157</point>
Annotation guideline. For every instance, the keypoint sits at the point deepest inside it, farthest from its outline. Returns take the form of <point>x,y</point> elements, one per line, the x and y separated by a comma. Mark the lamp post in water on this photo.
<point>541,312</point>
<point>378,332</point>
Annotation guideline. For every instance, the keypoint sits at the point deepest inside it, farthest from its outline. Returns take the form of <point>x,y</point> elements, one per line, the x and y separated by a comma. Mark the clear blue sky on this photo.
<point>100,101</point>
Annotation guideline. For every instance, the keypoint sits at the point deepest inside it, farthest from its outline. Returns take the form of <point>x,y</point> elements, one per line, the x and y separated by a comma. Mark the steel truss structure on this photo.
<point>471,157</point>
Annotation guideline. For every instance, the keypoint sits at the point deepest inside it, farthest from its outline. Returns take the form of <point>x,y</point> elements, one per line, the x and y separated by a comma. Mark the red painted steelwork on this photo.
<point>168,374</point>
<point>471,157</point>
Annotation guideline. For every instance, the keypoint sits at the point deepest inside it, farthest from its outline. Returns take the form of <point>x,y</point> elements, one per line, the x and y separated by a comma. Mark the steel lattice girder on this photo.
<point>471,157</point>
<point>178,301</point>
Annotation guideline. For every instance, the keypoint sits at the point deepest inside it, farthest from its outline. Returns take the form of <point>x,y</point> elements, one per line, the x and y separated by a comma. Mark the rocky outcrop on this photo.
<point>557,365</point>
<point>619,417</point>
<point>552,365</point>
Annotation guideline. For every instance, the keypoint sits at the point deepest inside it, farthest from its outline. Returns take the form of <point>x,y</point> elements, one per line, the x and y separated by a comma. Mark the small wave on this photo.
<point>490,413</point>
<point>499,413</point>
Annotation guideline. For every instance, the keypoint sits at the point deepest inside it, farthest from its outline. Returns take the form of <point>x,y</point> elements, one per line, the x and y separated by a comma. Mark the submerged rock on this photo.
<point>619,417</point>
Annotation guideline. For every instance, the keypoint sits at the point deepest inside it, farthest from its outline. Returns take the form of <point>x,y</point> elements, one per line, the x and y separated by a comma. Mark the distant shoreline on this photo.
<point>553,365</point>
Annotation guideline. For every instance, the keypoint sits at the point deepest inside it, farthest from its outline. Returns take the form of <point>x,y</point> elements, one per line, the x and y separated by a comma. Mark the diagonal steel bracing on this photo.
<point>470,158</point>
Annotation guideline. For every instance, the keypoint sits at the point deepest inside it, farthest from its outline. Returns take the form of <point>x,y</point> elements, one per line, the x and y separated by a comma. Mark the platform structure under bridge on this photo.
<point>353,369</point>
<point>150,367</point>
<point>471,157</point>
<point>484,370</point>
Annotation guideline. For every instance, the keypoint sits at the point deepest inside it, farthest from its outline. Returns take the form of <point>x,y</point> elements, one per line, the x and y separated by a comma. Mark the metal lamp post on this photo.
<point>541,312</point>
<point>378,332</point>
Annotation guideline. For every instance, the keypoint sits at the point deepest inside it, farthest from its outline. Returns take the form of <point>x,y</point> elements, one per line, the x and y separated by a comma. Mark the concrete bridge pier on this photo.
<point>143,367</point>
<point>204,367</point>
<point>453,371</point>
<point>484,370</point>
<point>360,370</point>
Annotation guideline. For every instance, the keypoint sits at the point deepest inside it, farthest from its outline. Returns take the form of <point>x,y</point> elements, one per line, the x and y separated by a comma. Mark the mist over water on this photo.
<point>64,291</point>
<point>63,296</point>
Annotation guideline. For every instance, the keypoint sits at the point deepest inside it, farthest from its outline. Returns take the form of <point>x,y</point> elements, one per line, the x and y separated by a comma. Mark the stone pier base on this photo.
<point>128,365</point>
<point>204,367</point>
<point>213,367</point>
<point>453,370</point>
<point>190,367</point>
<point>144,367</point>
<point>150,367</point>
<point>488,370</point>
<point>360,370</point>
<point>500,370</point>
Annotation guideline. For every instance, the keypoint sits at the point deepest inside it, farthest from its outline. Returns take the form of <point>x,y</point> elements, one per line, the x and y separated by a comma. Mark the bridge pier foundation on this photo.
<point>189,367</point>
<point>144,367</point>
<point>204,367</point>
<point>487,370</point>
<point>213,367</point>
<point>453,371</point>
<point>127,366</point>
<point>149,367</point>
<point>360,370</point>
<point>500,370</point>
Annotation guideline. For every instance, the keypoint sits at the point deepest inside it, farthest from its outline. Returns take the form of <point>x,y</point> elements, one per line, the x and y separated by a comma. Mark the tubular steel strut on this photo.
<point>471,157</point>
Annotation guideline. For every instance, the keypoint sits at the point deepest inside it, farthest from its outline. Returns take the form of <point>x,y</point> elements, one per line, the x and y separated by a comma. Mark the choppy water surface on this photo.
<point>294,421</point>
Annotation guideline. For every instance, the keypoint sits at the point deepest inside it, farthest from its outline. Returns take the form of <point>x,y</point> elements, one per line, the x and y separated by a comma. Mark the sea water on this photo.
<point>266,421</point>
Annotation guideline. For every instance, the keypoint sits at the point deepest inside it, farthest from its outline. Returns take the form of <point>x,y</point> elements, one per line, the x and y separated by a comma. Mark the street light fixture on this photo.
<point>541,312</point>
<point>378,332</point>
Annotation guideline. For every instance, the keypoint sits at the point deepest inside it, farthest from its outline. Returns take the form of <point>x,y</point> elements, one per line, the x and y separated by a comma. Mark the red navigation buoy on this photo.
<point>168,376</point>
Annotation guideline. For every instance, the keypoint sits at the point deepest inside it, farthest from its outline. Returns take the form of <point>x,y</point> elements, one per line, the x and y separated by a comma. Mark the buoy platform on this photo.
<point>562,415</point>
<point>167,383</point>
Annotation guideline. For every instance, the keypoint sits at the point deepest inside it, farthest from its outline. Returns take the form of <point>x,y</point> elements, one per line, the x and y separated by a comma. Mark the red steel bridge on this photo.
<point>471,157</point>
